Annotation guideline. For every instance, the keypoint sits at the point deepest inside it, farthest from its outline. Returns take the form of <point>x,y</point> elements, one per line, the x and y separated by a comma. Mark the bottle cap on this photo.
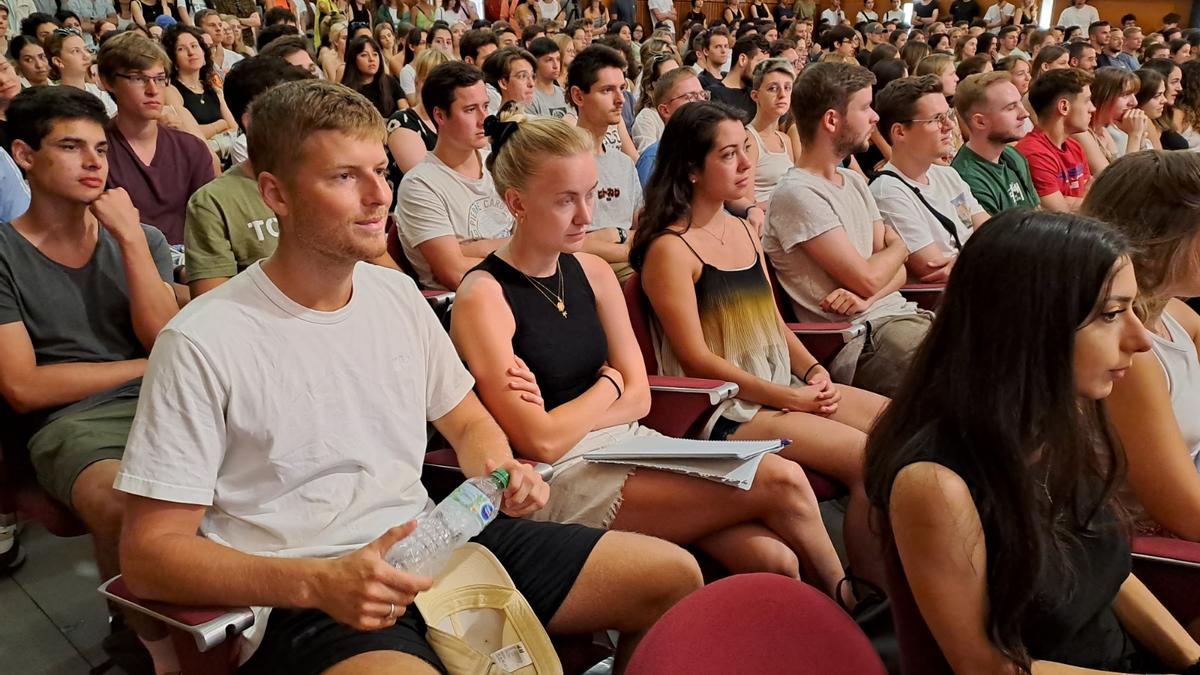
<point>501,477</point>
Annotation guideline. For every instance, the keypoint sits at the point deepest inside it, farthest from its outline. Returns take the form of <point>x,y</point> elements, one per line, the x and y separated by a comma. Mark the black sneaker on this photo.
<point>11,559</point>
<point>124,649</point>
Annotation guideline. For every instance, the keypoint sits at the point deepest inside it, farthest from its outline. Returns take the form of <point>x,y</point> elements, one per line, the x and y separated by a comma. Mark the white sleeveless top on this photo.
<point>771,166</point>
<point>1182,367</point>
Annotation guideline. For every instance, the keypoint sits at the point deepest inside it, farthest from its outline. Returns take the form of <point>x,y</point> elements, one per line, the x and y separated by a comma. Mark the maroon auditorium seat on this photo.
<point>756,624</point>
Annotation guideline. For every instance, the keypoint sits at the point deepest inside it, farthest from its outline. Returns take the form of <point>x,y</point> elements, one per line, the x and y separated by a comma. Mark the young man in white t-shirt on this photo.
<point>662,11</point>
<point>928,204</point>
<point>277,451</point>
<point>1080,14</point>
<point>834,15</point>
<point>447,210</point>
<point>824,234</point>
<point>596,85</point>
<point>999,14</point>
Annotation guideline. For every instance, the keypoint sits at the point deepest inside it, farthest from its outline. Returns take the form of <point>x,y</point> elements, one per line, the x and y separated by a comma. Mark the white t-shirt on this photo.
<point>896,15</point>
<point>303,432</point>
<point>946,192</point>
<point>437,201</point>
<point>996,13</point>
<point>110,106</point>
<point>228,59</point>
<point>805,206</point>
<point>493,96</point>
<point>408,80</point>
<point>1078,16</point>
<point>647,128</point>
<point>618,191</point>
<point>548,10</point>
<point>665,6</point>
<point>865,16</point>
<point>833,17</point>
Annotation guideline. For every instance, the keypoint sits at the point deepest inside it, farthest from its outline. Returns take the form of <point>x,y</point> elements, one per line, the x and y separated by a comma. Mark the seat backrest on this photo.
<point>639,315</point>
<point>396,250</point>
<point>782,301</point>
<point>756,623</point>
<point>919,651</point>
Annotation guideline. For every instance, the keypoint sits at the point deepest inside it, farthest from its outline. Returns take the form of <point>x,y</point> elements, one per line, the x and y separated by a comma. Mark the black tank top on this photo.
<point>206,107</point>
<point>151,12</point>
<point>1072,621</point>
<point>563,353</point>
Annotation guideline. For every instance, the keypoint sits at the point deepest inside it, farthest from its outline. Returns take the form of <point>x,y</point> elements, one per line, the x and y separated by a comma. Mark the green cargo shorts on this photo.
<point>62,449</point>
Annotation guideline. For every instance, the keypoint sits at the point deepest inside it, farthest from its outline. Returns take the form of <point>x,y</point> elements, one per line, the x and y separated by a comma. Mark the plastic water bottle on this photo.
<point>451,524</point>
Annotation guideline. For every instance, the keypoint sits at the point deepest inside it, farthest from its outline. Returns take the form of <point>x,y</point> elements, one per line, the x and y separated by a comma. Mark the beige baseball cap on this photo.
<point>480,624</point>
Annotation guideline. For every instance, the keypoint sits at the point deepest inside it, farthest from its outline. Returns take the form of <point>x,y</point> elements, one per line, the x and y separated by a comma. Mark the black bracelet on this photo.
<point>614,383</point>
<point>1193,669</point>
<point>809,371</point>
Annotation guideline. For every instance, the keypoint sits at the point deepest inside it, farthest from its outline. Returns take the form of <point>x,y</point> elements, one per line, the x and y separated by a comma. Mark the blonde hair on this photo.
<point>424,64</point>
<point>535,140</point>
<point>129,51</point>
<point>304,108</point>
<point>935,64</point>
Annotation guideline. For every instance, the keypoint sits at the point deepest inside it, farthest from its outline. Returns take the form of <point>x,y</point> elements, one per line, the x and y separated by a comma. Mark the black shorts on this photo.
<point>543,559</point>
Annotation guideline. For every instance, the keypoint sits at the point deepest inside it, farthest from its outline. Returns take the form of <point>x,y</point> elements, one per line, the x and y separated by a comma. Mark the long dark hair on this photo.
<point>381,90</point>
<point>991,393</point>
<point>169,40</point>
<point>686,141</point>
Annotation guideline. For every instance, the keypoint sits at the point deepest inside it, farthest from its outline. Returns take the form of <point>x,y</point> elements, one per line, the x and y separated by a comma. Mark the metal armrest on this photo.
<point>716,390</point>
<point>208,626</point>
<point>825,340</point>
<point>1168,551</point>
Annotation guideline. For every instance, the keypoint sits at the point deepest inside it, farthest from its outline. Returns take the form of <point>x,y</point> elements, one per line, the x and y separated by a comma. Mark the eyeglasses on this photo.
<point>691,96</point>
<point>67,32</point>
<point>143,80</point>
<point>941,119</point>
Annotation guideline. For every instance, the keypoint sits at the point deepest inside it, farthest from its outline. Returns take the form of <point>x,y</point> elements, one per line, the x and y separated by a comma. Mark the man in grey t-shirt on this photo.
<point>549,100</point>
<point>84,291</point>
<point>825,236</point>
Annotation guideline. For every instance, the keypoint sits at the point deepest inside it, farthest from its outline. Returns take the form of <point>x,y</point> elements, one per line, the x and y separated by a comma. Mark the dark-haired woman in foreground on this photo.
<point>995,470</point>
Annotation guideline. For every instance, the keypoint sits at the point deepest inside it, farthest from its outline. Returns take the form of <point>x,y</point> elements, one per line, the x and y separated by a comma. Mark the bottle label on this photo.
<point>475,501</point>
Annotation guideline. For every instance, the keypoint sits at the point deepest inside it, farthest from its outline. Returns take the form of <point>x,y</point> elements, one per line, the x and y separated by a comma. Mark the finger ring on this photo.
<point>391,610</point>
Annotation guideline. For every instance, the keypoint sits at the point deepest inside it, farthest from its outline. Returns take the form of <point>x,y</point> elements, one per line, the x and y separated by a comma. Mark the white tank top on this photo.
<point>771,166</point>
<point>1182,367</point>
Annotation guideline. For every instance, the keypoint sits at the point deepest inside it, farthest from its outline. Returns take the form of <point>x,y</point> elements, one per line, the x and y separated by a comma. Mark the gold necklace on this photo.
<point>724,226</point>
<point>556,299</point>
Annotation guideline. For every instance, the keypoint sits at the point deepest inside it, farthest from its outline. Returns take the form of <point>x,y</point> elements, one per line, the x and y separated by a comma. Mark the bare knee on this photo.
<point>778,560</point>
<point>674,573</point>
<point>99,505</point>
<point>786,488</point>
<point>378,662</point>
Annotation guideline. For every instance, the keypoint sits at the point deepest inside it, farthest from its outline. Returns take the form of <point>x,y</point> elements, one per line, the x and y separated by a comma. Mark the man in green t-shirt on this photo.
<point>228,225</point>
<point>990,110</point>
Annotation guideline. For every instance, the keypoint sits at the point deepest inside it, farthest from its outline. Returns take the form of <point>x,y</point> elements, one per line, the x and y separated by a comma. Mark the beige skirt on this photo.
<point>590,493</point>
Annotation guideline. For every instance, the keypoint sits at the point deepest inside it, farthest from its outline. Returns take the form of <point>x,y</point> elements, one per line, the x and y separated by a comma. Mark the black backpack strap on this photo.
<point>941,218</point>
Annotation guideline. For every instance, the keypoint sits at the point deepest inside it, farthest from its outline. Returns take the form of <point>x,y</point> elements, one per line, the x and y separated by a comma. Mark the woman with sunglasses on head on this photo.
<point>70,62</point>
<point>648,124</point>
<point>705,275</point>
<point>544,329</point>
<point>994,468</point>
<point>770,151</point>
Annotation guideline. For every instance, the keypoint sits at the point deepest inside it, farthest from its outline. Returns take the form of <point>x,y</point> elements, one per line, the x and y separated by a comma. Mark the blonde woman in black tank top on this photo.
<point>705,275</point>
<point>538,301</point>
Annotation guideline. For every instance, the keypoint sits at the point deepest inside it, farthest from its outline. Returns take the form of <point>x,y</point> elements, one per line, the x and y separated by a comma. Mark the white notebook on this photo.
<point>663,448</point>
<point>735,472</point>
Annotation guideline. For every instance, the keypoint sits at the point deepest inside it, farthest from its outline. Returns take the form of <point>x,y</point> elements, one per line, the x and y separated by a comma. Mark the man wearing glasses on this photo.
<point>159,166</point>
<point>929,205</point>
<point>672,91</point>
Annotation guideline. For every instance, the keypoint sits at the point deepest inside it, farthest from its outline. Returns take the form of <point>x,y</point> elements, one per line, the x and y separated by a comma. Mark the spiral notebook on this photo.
<point>733,463</point>
<point>661,447</point>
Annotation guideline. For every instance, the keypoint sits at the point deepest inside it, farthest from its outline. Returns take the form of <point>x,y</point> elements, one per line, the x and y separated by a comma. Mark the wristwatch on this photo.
<point>622,235</point>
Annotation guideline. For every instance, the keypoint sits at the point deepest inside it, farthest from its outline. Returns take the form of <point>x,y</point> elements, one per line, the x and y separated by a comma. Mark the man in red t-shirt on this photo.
<point>1062,100</point>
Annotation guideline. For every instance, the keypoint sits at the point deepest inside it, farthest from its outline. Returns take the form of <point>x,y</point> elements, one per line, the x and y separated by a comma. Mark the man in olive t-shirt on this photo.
<point>228,228</point>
